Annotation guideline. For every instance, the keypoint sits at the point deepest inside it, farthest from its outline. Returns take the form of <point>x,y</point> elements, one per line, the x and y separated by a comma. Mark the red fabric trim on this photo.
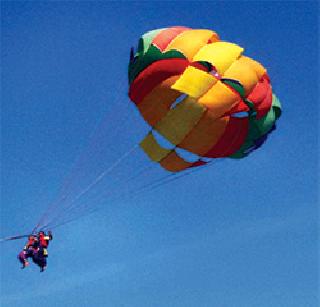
<point>232,139</point>
<point>265,105</point>
<point>164,38</point>
<point>241,106</point>
<point>198,66</point>
<point>153,75</point>
<point>198,163</point>
<point>261,96</point>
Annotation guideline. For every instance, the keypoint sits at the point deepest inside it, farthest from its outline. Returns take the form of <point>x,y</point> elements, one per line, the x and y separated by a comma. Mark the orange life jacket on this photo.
<point>30,242</point>
<point>43,240</point>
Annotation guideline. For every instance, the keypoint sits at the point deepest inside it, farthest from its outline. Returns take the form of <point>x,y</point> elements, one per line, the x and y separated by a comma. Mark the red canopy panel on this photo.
<point>261,96</point>
<point>154,75</point>
<point>232,139</point>
<point>164,38</point>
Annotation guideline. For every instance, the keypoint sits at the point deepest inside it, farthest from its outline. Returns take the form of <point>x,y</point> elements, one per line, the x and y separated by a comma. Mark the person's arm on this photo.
<point>49,235</point>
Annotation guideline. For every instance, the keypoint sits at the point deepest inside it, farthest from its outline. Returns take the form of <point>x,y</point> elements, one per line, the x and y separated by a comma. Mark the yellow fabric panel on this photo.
<point>241,71</point>
<point>194,82</point>
<point>174,163</point>
<point>179,121</point>
<point>219,99</point>
<point>189,42</point>
<point>256,66</point>
<point>151,147</point>
<point>219,54</point>
<point>157,103</point>
<point>205,134</point>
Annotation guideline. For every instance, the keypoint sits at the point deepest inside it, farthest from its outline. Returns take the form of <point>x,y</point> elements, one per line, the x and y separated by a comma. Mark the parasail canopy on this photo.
<point>201,95</point>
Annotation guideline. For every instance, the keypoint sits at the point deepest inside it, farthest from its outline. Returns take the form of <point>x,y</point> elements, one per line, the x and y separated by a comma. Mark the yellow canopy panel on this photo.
<point>219,99</point>
<point>189,42</point>
<point>219,54</point>
<point>157,103</point>
<point>194,82</point>
<point>205,134</point>
<point>256,66</point>
<point>173,163</point>
<point>151,147</point>
<point>180,121</point>
<point>242,71</point>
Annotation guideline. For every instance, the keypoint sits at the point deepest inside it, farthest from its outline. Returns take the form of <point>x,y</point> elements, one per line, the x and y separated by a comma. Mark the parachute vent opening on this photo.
<point>215,74</point>
<point>240,115</point>
<point>162,141</point>
<point>187,155</point>
<point>178,100</point>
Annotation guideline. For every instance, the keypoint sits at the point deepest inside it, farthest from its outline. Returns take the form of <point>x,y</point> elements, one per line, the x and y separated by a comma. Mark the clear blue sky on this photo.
<point>238,234</point>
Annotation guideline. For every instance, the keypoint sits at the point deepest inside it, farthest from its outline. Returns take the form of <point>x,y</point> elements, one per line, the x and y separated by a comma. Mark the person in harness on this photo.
<point>36,248</point>
<point>41,253</point>
<point>27,251</point>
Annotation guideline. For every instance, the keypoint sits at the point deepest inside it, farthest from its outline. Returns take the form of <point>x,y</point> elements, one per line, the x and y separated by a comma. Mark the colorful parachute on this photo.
<point>202,95</point>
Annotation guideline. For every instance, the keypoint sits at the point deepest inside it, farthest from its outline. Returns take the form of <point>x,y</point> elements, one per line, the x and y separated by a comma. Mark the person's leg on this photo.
<point>23,260</point>
<point>43,264</point>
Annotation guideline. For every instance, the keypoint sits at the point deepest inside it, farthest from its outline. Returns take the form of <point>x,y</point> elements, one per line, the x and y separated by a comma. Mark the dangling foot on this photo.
<point>26,263</point>
<point>42,268</point>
